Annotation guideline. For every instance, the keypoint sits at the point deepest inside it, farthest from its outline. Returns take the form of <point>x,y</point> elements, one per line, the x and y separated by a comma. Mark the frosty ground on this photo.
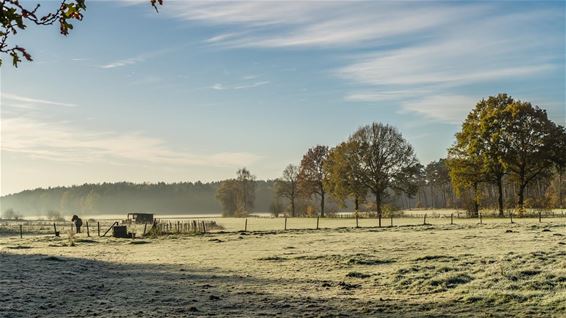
<point>493,269</point>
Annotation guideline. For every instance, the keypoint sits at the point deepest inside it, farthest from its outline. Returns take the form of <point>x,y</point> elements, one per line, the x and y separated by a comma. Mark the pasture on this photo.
<point>465,269</point>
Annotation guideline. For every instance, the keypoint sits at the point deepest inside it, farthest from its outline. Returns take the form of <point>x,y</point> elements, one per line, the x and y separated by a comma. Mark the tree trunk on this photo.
<point>432,197</point>
<point>322,203</point>
<point>356,204</point>
<point>378,206</point>
<point>425,199</point>
<point>476,208</point>
<point>522,185</point>
<point>522,196</point>
<point>560,188</point>
<point>245,195</point>
<point>293,206</point>
<point>500,195</point>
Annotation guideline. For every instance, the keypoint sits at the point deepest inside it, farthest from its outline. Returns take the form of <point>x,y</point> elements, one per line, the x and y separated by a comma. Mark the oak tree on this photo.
<point>344,180</point>
<point>478,151</point>
<point>529,139</point>
<point>386,161</point>
<point>313,173</point>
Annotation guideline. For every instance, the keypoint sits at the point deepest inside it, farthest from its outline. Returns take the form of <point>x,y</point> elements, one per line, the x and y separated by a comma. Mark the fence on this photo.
<point>218,224</point>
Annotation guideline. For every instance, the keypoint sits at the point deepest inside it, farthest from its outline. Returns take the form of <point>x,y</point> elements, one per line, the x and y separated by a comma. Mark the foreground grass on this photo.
<point>441,270</point>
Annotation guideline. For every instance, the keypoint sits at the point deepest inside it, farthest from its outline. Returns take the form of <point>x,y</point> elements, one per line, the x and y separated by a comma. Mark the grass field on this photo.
<point>466,269</point>
<point>265,223</point>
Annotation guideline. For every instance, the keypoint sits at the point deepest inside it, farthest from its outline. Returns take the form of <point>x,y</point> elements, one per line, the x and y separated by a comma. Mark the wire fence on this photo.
<point>190,225</point>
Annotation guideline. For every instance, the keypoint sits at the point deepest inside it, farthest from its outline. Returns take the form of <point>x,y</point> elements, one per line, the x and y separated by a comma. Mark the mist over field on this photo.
<point>108,198</point>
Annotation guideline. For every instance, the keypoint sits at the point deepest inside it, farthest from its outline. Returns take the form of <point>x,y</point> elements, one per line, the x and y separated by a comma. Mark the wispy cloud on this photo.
<point>125,62</point>
<point>412,51</point>
<point>29,102</point>
<point>454,61</point>
<point>221,87</point>
<point>384,95</point>
<point>273,24</point>
<point>421,76</point>
<point>445,108</point>
<point>134,60</point>
<point>253,13</point>
<point>58,141</point>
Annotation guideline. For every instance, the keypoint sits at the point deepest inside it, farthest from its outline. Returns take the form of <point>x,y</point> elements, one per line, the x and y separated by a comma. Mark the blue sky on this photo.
<point>203,88</point>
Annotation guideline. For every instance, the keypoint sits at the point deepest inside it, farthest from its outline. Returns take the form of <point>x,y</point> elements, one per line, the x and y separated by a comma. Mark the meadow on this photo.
<point>494,269</point>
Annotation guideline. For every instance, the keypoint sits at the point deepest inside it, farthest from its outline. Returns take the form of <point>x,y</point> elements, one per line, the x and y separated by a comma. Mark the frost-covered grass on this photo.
<point>495,269</point>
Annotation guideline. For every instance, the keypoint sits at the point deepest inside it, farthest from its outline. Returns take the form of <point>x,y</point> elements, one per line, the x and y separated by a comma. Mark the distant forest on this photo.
<point>125,197</point>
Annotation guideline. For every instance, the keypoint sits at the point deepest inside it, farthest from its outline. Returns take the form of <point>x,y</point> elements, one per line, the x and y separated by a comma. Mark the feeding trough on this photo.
<point>120,231</point>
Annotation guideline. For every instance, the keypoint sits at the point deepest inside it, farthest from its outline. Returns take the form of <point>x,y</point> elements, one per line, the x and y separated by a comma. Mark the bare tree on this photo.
<point>287,186</point>
<point>246,185</point>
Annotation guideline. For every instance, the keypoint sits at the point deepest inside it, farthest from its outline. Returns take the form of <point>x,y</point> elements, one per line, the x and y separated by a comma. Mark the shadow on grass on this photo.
<point>52,286</point>
<point>40,285</point>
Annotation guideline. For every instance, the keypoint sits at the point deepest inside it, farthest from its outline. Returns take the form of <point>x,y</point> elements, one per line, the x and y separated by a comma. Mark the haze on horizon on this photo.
<point>204,88</point>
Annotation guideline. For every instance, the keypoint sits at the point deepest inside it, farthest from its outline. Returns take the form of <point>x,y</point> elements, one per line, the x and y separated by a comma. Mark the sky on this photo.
<point>200,89</point>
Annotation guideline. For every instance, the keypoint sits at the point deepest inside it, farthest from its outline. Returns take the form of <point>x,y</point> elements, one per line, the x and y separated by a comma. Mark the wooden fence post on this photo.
<point>479,213</point>
<point>451,218</point>
<point>144,228</point>
<point>98,226</point>
<point>87,230</point>
<point>285,223</point>
<point>539,217</point>
<point>357,224</point>
<point>424,219</point>
<point>511,216</point>
<point>246,225</point>
<point>55,229</point>
<point>21,231</point>
<point>317,220</point>
<point>391,220</point>
<point>203,227</point>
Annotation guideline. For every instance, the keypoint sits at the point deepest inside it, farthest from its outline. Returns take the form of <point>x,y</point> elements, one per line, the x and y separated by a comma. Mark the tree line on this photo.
<point>125,197</point>
<point>507,155</point>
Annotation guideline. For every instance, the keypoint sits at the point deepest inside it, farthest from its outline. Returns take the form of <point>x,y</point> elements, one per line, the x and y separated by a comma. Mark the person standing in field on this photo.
<point>77,222</point>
